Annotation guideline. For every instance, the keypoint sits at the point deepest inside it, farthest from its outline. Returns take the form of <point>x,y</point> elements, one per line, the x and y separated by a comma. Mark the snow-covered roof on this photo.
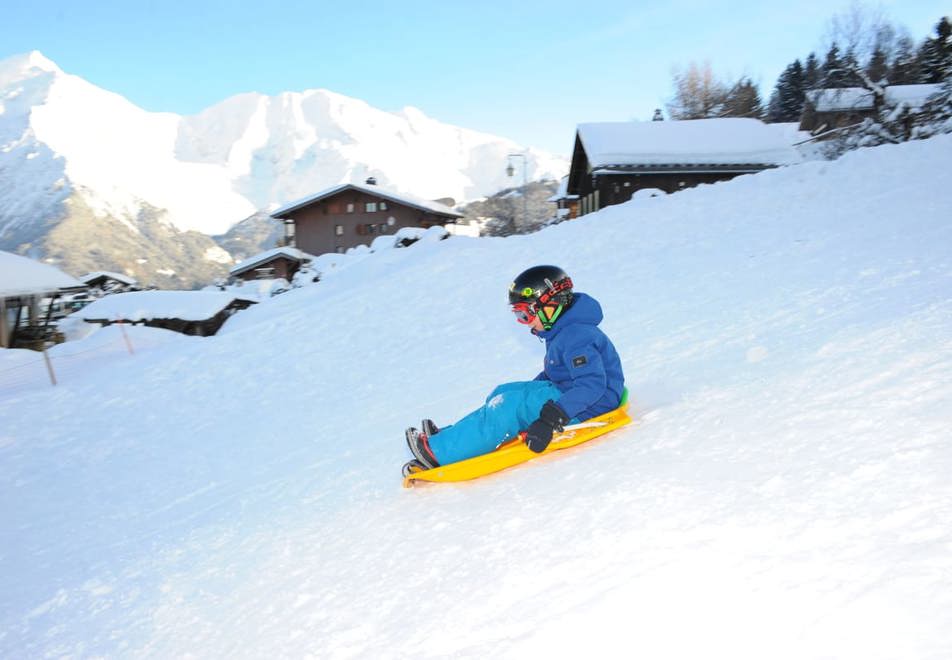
<point>707,142</point>
<point>264,257</point>
<point>145,305</point>
<point>859,98</point>
<point>22,276</point>
<point>911,95</point>
<point>119,277</point>
<point>841,99</point>
<point>376,191</point>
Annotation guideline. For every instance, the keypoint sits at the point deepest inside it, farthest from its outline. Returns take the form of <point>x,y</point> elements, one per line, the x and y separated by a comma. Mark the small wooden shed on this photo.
<point>280,262</point>
<point>25,285</point>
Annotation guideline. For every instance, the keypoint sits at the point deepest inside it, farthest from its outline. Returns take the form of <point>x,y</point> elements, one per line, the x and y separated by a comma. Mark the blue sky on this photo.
<point>529,71</point>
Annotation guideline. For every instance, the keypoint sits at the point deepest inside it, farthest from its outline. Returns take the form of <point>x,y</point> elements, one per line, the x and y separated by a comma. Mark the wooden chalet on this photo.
<point>26,286</point>
<point>613,160</point>
<point>353,214</point>
<point>109,282</point>
<point>825,111</point>
<point>281,262</point>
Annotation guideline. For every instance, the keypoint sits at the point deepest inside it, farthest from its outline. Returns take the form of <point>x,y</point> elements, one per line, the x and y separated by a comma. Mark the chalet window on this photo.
<point>264,273</point>
<point>370,207</point>
<point>350,207</point>
<point>338,230</point>
<point>383,206</point>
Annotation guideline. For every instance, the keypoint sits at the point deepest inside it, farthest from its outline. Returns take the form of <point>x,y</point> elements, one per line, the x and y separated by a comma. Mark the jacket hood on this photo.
<point>584,310</point>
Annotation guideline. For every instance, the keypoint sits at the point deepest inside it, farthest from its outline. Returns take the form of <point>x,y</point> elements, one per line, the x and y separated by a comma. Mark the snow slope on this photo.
<point>786,492</point>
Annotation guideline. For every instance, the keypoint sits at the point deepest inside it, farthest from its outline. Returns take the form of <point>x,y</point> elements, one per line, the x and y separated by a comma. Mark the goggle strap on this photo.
<point>554,288</point>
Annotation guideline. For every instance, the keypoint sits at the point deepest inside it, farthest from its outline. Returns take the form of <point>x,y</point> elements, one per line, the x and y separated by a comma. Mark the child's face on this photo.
<point>524,315</point>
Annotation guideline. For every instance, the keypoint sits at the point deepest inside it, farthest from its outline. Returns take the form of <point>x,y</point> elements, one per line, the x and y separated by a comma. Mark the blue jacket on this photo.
<point>582,362</point>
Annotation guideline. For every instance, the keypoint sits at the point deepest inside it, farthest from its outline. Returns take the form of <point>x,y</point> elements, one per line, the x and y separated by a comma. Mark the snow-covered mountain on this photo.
<point>784,493</point>
<point>74,154</point>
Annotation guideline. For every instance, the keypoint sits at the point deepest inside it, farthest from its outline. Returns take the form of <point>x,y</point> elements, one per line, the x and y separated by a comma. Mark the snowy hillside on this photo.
<point>784,493</point>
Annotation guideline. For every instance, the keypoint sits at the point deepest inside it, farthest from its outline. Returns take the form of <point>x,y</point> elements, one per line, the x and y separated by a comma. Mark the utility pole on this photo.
<point>510,170</point>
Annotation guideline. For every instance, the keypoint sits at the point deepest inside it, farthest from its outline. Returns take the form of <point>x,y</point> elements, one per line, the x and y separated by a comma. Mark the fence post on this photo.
<point>125,336</point>
<point>49,366</point>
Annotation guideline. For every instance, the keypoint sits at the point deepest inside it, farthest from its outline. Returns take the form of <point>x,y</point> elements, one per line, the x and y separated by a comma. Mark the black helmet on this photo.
<point>541,286</point>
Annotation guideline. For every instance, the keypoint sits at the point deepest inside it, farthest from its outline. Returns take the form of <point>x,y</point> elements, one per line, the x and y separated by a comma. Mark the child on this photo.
<point>582,377</point>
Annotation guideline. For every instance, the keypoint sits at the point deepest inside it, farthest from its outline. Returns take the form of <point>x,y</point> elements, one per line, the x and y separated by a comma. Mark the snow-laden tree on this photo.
<point>898,121</point>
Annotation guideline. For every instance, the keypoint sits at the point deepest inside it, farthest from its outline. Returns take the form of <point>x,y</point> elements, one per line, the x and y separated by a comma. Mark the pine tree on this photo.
<point>944,44</point>
<point>851,70</point>
<point>904,68</point>
<point>878,66</point>
<point>786,101</point>
<point>743,101</point>
<point>936,53</point>
<point>834,70</point>
<point>811,72</point>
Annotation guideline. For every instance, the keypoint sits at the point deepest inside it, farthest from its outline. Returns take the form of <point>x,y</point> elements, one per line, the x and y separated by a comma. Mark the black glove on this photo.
<point>551,419</point>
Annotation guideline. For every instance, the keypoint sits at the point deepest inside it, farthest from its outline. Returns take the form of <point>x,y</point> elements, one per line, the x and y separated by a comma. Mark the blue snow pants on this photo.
<point>510,408</point>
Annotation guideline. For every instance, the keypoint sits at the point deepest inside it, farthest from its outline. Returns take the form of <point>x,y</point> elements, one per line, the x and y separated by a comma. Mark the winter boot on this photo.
<point>429,428</point>
<point>412,467</point>
<point>420,448</point>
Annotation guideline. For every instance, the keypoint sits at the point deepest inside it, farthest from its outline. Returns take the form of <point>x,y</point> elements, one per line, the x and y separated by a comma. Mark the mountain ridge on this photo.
<point>63,138</point>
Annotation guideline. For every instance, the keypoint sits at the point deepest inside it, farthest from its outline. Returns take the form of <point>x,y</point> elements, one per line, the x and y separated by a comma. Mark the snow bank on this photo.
<point>784,493</point>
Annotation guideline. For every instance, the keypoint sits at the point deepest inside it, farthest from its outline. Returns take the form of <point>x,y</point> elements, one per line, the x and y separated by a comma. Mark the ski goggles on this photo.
<point>525,312</point>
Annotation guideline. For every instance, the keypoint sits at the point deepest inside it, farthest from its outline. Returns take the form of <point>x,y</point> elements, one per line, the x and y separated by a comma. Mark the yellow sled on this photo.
<point>515,451</point>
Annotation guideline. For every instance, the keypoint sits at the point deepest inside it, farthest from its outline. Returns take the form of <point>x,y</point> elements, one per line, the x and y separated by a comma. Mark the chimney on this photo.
<point>371,181</point>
